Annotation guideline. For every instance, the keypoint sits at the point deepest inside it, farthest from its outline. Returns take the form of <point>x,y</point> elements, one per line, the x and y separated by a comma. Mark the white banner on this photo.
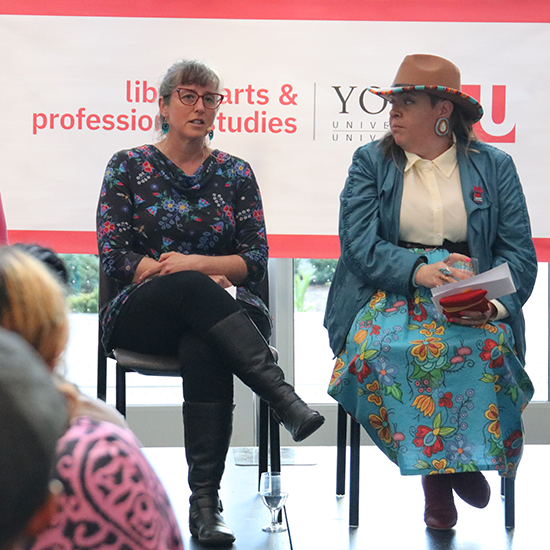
<point>76,89</point>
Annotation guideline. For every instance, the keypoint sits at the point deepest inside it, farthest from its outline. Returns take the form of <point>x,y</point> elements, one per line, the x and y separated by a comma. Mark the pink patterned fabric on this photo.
<point>3,228</point>
<point>112,497</point>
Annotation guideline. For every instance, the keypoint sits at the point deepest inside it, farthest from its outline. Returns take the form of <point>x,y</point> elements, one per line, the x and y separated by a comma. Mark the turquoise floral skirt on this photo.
<point>435,397</point>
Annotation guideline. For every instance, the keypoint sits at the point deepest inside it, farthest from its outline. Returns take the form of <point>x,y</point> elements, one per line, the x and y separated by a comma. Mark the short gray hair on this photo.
<point>187,71</point>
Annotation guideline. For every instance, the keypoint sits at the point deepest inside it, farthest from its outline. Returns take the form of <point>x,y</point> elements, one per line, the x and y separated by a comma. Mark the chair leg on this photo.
<point>355,446</point>
<point>274,443</point>
<point>121,390</point>
<point>269,442</point>
<point>275,450</point>
<point>341,437</point>
<point>509,503</point>
<point>101,374</point>
<point>263,439</point>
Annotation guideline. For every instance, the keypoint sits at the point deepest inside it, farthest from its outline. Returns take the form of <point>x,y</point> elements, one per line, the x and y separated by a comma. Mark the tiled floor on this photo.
<point>391,506</point>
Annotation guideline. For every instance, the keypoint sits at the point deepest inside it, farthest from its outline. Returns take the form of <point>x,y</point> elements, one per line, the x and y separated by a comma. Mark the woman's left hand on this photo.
<point>441,273</point>
<point>476,318</point>
<point>172,262</point>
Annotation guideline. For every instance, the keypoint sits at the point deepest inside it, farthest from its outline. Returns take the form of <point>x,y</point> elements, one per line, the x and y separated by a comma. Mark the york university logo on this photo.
<point>494,127</point>
<point>362,116</point>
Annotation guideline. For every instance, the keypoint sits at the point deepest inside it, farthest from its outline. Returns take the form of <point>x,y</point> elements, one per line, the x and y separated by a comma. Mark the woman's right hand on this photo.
<point>441,273</point>
<point>222,280</point>
<point>146,267</point>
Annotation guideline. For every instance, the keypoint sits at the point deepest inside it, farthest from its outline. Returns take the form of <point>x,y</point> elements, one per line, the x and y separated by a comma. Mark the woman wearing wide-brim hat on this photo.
<point>442,398</point>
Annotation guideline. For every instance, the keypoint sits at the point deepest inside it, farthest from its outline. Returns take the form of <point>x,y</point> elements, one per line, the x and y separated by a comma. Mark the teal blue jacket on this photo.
<point>499,231</point>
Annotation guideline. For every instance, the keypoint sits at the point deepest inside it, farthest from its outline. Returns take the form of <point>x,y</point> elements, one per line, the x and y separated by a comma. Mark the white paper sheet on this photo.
<point>497,282</point>
<point>232,290</point>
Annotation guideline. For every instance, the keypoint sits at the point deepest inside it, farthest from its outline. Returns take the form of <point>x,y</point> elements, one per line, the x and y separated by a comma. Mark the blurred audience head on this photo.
<point>32,303</point>
<point>46,256</point>
<point>33,416</point>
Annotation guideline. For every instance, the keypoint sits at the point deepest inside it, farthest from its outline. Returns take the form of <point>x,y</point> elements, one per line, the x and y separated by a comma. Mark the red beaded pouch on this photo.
<point>469,300</point>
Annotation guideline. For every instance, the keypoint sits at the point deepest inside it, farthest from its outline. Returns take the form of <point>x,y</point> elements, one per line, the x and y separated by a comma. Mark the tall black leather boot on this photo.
<point>207,433</point>
<point>244,349</point>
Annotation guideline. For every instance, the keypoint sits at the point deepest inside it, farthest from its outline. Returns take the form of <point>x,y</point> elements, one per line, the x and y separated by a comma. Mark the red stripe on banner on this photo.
<point>322,10</point>
<point>64,242</point>
<point>304,246</point>
<point>280,246</point>
<point>542,246</point>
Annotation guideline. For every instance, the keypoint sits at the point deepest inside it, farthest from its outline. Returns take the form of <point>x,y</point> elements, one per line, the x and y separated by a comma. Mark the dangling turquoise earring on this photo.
<point>165,127</point>
<point>442,126</point>
<point>211,134</point>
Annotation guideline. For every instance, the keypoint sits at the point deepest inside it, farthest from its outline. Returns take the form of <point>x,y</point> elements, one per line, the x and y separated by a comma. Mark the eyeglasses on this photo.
<point>189,97</point>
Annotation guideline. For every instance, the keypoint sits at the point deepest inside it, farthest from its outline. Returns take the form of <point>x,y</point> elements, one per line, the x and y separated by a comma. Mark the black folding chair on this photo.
<point>507,484</point>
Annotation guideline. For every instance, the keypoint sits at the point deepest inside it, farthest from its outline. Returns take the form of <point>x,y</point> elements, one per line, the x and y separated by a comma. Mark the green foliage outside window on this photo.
<point>310,272</point>
<point>324,271</point>
<point>83,272</point>
<point>303,274</point>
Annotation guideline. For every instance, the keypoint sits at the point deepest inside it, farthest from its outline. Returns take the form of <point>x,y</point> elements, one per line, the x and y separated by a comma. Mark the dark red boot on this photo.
<point>472,488</point>
<point>440,512</point>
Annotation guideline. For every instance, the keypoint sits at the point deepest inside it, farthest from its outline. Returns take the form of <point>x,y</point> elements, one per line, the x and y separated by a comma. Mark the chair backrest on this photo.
<point>262,288</point>
<point>107,288</point>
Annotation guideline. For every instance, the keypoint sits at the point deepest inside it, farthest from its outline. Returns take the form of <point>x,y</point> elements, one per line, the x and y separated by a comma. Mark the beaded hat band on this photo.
<point>434,75</point>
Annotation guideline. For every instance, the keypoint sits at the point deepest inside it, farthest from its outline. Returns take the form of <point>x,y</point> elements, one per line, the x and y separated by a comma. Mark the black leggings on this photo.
<point>170,315</point>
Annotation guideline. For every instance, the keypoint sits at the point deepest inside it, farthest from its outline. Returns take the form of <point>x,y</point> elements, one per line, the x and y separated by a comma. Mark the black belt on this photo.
<point>458,248</point>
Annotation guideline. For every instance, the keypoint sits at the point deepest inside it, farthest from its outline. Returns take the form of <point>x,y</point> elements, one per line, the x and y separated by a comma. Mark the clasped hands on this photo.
<point>172,262</point>
<point>440,273</point>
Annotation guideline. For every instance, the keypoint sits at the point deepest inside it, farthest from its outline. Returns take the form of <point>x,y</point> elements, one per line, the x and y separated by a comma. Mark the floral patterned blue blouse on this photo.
<point>149,206</point>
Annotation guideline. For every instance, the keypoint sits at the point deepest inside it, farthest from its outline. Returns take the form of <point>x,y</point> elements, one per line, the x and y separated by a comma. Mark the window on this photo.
<point>81,356</point>
<point>314,359</point>
<point>312,355</point>
<point>536,319</point>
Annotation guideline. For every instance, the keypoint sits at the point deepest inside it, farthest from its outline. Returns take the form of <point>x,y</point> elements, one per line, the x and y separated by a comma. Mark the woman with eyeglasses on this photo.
<point>178,222</point>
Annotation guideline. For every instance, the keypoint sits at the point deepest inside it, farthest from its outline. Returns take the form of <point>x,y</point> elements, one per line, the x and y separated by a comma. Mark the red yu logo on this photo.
<point>498,114</point>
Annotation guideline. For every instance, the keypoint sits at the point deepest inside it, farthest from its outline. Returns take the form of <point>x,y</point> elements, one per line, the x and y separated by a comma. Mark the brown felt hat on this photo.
<point>434,75</point>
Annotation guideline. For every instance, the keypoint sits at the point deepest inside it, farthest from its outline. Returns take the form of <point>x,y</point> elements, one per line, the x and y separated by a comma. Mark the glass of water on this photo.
<point>274,497</point>
<point>469,268</point>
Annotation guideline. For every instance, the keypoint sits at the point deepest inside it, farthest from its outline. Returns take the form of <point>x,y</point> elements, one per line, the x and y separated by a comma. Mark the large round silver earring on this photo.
<point>442,126</point>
